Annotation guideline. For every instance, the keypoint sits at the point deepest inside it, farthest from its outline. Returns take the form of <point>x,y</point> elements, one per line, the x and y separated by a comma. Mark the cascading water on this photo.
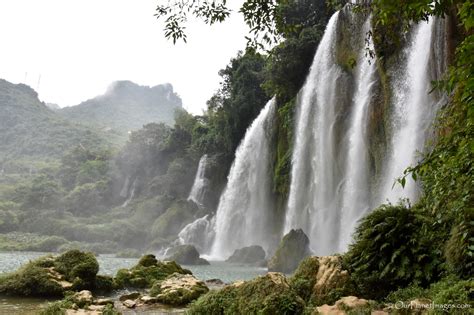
<point>356,193</point>
<point>132,194</point>
<point>245,207</point>
<point>200,182</point>
<point>332,181</point>
<point>414,110</point>
<point>312,200</point>
<point>199,233</point>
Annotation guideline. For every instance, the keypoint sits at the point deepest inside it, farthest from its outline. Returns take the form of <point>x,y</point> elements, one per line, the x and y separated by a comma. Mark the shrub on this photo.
<point>392,250</point>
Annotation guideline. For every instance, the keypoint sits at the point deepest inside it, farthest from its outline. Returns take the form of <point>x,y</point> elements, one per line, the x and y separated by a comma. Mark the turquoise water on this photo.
<point>109,265</point>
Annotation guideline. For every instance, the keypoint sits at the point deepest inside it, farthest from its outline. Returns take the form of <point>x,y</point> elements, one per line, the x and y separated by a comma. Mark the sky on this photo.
<point>71,50</point>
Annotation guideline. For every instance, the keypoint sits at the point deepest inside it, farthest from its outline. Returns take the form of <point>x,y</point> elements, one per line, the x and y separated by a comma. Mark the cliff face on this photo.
<point>127,106</point>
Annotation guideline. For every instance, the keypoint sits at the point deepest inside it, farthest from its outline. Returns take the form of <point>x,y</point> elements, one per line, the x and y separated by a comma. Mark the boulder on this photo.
<point>268,294</point>
<point>129,303</point>
<point>52,276</point>
<point>146,272</point>
<point>129,296</point>
<point>293,248</point>
<point>82,297</point>
<point>186,255</point>
<point>321,280</point>
<point>251,255</point>
<point>347,303</point>
<point>178,289</point>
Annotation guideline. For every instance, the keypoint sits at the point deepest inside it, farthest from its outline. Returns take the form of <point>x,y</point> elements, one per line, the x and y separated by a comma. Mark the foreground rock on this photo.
<point>146,272</point>
<point>268,294</point>
<point>178,289</point>
<point>342,306</point>
<point>53,276</point>
<point>293,248</point>
<point>186,255</point>
<point>251,255</point>
<point>322,280</point>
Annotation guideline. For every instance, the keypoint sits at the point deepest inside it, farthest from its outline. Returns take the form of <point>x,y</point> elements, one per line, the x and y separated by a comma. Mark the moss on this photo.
<point>76,264</point>
<point>141,276</point>
<point>269,294</point>
<point>104,284</point>
<point>30,280</point>
<point>304,278</point>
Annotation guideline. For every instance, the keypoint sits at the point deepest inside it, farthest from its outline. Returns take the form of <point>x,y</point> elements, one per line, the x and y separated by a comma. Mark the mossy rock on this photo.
<point>146,272</point>
<point>322,280</point>
<point>293,248</point>
<point>248,255</point>
<point>186,255</point>
<point>77,264</point>
<point>268,294</point>
<point>178,289</point>
<point>51,277</point>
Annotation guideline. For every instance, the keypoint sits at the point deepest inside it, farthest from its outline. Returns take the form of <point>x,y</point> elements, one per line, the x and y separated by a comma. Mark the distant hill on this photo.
<point>30,130</point>
<point>127,106</point>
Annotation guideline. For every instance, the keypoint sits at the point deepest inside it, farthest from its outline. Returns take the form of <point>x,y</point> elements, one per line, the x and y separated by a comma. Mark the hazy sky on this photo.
<point>80,46</point>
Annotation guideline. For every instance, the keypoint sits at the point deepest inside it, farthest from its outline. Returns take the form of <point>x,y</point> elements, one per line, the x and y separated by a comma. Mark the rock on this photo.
<point>83,297</point>
<point>95,307</point>
<point>316,277</point>
<point>129,303</point>
<point>215,281</point>
<point>293,248</point>
<point>420,304</point>
<point>104,301</point>
<point>248,255</point>
<point>82,312</point>
<point>146,272</point>
<point>342,306</point>
<point>148,299</point>
<point>263,295</point>
<point>178,289</point>
<point>130,296</point>
<point>186,255</point>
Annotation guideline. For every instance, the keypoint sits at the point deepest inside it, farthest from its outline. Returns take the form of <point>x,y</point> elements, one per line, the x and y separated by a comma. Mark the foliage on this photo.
<point>392,249</point>
<point>269,294</point>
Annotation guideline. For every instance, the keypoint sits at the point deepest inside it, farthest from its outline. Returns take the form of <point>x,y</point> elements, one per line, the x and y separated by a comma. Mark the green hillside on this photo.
<point>127,106</point>
<point>31,133</point>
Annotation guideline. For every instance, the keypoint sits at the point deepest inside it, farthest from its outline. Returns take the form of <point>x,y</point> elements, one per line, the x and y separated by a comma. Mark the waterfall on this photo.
<point>199,233</point>
<point>333,182</point>
<point>132,194</point>
<point>200,182</point>
<point>245,207</point>
<point>356,193</point>
<point>311,202</point>
<point>414,110</point>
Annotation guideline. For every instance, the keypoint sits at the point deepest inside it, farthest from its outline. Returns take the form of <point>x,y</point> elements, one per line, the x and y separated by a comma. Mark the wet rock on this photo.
<point>148,299</point>
<point>104,301</point>
<point>178,289</point>
<point>186,255</point>
<point>293,248</point>
<point>251,255</point>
